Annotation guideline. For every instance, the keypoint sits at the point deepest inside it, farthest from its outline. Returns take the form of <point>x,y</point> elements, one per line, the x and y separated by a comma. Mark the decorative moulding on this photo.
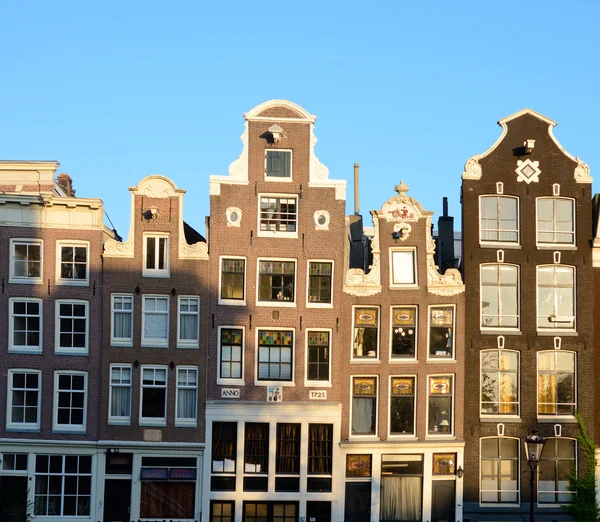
<point>582,172</point>
<point>321,218</point>
<point>402,208</point>
<point>156,186</point>
<point>449,283</point>
<point>303,115</point>
<point>359,283</point>
<point>528,171</point>
<point>472,168</point>
<point>233,216</point>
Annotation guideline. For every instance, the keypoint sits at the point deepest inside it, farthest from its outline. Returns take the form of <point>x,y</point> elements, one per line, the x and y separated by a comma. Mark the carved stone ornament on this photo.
<point>117,249</point>
<point>359,283</point>
<point>404,228</point>
<point>528,171</point>
<point>582,172</point>
<point>321,218</point>
<point>156,187</point>
<point>318,171</point>
<point>472,168</point>
<point>401,208</point>
<point>196,251</point>
<point>239,168</point>
<point>449,283</point>
<point>234,216</point>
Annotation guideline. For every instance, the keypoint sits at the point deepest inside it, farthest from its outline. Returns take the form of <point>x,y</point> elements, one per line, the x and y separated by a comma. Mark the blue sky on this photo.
<point>118,90</point>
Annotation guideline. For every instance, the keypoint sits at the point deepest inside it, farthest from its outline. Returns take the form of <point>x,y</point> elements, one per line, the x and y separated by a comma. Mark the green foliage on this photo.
<point>585,505</point>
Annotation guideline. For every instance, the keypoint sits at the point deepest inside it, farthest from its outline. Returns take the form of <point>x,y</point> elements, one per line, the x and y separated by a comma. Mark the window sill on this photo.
<point>557,419</point>
<point>286,384</point>
<point>26,281</point>
<point>149,344</point>
<point>188,346</point>
<point>366,437</point>
<point>232,302</point>
<point>186,424</point>
<point>277,304</point>
<point>231,382</point>
<point>22,429</point>
<point>442,361</point>
<point>37,351</point>
<point>78,430</point>
<point>557,333</point>
<point>558,246</point>
<point>121,344</point>
<point>283,179</point>
<point>441,436</point>
<point>500,246</point>
<point>497,505</point>
<point>500,418</point>
<point>68,352</point>
<point>499,331</point>
<point>400,436</point>
<point>278,235</point>
<point>365,360</point>
<point>312,304</point>
<point>317,384</point>
<point>399,360</point>
<point>69,282</point>
<point>404,287</point>
<point>119,422</point>
<point>159,423</point>
<point>160,275</point>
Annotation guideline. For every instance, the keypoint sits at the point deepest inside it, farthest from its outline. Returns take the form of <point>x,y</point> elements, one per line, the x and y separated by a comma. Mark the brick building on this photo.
<point>403,354</point>
<point>527,229</point>
<point>155,304</point>
<point>51,266</point>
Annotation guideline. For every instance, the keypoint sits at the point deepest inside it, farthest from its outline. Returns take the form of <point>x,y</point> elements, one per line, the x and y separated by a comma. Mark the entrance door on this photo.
<point>13,499</point>
<point>358,502</point>
<point>117,500</point>
<point>442,502</point>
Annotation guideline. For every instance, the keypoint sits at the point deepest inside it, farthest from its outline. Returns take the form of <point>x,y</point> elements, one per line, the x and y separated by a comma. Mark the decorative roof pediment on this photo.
<point>288,111</point>
<point>402,208</point>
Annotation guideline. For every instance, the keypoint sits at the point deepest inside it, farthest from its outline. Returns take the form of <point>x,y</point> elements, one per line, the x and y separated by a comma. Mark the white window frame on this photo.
<point>155,342</point>
<point>377,406</point>
<point>548,417</point>
<point>186,422</point>
<point>20,279</point>
<point>414,284</point>
<point>277,303</point>
<point>121,341</point>
<point>266,382</point>
<point>76,244</point>
<point>157,272</point>
<point>493,243</point>
<point>11,326</point>
<point>278,178</point>
<point>311,304</point>
<point>551,244</point>
<point>277,233</point>
<point>153,421</point>
<point>79,428</point>
<point>412,435</point>
<point>402,360</point>
<point>188,343</point>
<point>440,435</point>
<point>311,382</point>
<point>366,359</point>
<point>15,471</point>
<point>119,419</point>
<point>500,416</point>
<point>441,359</point>
<point>232,302</point>
<point>498,328</point>
<point>518,463</point>
<point>550,330</point>
<point>62,350</point>
<point>226,380</point>
<point>22,426</point>
<point>576,462</point>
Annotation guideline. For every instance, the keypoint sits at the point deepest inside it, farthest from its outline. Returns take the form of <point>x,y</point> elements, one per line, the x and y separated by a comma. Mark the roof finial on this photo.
<point>402,188</point>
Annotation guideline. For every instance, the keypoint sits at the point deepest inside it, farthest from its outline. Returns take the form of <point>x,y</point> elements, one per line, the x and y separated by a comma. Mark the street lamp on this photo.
<point>534,446</point>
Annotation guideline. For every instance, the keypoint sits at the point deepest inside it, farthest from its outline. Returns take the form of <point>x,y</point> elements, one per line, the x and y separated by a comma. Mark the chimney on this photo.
<point>66,183</point>
<point>356,189</point>
<point>445,205</point>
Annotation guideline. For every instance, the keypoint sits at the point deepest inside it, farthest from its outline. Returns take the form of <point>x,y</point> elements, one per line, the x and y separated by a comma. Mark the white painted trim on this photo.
<point>22,426</point>
<point>484,328</point>
<point>12,278</point>
<point>71,427</point>
<point>544,505</point>
<point>549,417</point>
<point>156,272</point>
<point>391,358</point>
<point>114,341</point>
<point>399,436</point>
<point>499,416</point>
<point>310,304</point>
<point>403,286</point>
<point>563,246</point>
<point>313,383</point>
<point>441,359</point>
<point>453,398</point>
<point>73,243</point>
<point>62,350</point>
<point>487,242</point>
<point>361,437</point>
<point>225,381</point>
<point>264,383</point>
<point>276,178</point>
<point>303,115</point>
<point>276,233</point>
<point>153,421</point>
<point>518,462</point>
<point>155,343</point>
<point>276,303</point>
<point>119,420</point>
<point>11,324</point>
<point>378,354</point>
<point>187,343</point>
<point>554,331</point>
<point>186,422</point>
<point>232,302</point>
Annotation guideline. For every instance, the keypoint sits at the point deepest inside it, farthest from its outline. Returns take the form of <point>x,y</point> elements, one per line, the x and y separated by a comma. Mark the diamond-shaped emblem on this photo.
<point>528,171</point>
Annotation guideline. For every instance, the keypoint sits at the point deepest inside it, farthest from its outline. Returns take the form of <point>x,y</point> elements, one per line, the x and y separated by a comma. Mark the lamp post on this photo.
<point>534,446</point>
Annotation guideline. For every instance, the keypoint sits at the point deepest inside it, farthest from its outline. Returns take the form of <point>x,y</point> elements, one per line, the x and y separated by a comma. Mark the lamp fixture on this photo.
<point>528,145</point>
<point>397,235</point>
<point>276,132</point>
<point>460,472</point>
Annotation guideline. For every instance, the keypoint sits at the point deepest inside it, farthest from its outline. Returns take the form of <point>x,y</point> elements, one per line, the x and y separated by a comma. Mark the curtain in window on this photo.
<point>401,498</point>
<point>319,450</point>
<point>122,325</point>
<point>155,326</point>
<point>362,415</point>
<point>186,403</point>
<point>188,327</point>
<point>167,500</point>
<point>288,448</point>
<point>256,448</point>
<point>224,439</point>
<point>121,402</point>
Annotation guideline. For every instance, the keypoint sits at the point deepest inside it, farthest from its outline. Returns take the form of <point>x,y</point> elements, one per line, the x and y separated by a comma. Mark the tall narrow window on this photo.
<point>224,447</point>
<point>231,352</point>
<point>256,448</point>
<point>499,219</point>
<point>156,256</point>
<point>155,321</point>
<point>366,333</point>
<point>276,280</point>
<point>556,221</point>
<point>556,383</point>
<point>404,332</point>
<point>499,382</point>
<point>403,267</point>
<point>187,396</point>
<point>318,355</point>
<point>122,320</point>
<point>556,297</point>
<point>287,457</point>
<point>188,327</point>
<point>320,448</point>
<point>24,399</point>
<point>70,401</point>
<point>402,406</point>
<point>153,409</point>
<point>557,463</point>
<point>278,164</point>
<point>26,261</point>
<point>440,418</point>
<point>73,265</point>
<point>71,326</point>
<point>499,470</point>
<point>499,296</point>
<point>275,355</point>
<point>319,282</point>
<point>25,327</point>
<point>120,394</point>
<point>364,405</point>
<point>441,332</point>
<point>233,273</point>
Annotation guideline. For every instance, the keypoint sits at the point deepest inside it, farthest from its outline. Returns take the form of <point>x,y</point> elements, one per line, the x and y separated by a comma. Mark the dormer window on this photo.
<point>278,165</point>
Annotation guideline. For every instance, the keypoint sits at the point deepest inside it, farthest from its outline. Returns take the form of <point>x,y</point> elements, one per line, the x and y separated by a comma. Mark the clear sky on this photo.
<point>116,91</point>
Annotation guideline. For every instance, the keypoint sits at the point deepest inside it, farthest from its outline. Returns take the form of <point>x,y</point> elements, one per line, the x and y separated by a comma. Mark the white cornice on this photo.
<point>252,115</point>
<point>531,112</point>
<point>29,165</point>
